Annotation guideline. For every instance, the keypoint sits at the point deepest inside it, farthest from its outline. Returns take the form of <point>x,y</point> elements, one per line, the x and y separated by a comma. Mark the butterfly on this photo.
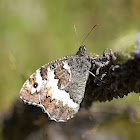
<point>58,87</point>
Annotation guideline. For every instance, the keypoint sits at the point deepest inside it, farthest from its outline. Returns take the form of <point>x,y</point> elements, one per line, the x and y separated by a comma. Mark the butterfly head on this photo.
<point>82,51</point>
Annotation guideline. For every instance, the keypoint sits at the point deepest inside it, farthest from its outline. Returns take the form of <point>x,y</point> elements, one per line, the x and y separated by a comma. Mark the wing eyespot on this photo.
<point>35,85</point>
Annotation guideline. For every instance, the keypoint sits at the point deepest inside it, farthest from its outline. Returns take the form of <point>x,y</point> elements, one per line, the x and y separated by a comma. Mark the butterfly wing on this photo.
<point>58,87</point>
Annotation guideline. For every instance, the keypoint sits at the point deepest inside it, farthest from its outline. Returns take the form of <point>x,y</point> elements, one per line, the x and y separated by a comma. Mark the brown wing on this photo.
<point>58,87</point>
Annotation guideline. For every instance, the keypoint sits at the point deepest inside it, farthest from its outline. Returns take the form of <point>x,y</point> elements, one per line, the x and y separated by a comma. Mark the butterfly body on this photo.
<point>58,87</point>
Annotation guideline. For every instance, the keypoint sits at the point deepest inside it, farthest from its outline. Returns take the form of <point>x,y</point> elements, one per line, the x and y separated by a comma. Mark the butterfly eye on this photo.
<point>35,85</point>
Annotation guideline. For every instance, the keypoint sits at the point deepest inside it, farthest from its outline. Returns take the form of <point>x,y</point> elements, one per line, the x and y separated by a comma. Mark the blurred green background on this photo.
<point>35,32</point>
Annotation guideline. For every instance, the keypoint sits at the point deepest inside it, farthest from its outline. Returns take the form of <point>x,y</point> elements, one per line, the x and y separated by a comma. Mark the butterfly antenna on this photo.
<point>76,33</point>
<point>89,33</point>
